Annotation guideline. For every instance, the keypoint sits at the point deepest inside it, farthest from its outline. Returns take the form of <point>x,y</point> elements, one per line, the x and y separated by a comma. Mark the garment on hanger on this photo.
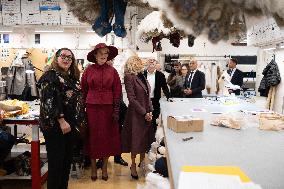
<point>214,78</point>
<point>271,77</point>
<point>18,77</point>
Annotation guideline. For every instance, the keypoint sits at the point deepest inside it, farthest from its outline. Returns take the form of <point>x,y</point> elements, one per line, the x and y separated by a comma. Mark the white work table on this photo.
<point>259,154</point>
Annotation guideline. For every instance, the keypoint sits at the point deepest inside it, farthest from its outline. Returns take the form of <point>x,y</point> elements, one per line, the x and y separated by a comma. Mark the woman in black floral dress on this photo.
<point>61,115</point>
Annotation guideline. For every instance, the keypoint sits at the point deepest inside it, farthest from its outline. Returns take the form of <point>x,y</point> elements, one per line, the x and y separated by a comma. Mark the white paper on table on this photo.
<point>212,181</point>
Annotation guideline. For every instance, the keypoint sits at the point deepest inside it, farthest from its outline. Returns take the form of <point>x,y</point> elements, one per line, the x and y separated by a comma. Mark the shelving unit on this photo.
<point>38,174</point>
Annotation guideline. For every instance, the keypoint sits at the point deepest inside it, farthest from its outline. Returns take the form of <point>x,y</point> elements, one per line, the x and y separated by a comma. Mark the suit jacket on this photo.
<point>160,84</point>
<point>237,79</point>
<point>101,85</point>
<point>197,84</point>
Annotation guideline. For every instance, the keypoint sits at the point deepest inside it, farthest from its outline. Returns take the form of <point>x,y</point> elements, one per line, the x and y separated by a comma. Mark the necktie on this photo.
<point>230,72</point>
<point>189,79</point>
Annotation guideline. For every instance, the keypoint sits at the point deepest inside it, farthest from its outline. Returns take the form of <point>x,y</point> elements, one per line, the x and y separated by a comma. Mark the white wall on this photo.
<point>279,58</point>
<point>81,43</point>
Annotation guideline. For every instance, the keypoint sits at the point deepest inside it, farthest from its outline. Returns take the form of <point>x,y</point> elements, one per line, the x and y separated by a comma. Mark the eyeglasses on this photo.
<point>69,58</point>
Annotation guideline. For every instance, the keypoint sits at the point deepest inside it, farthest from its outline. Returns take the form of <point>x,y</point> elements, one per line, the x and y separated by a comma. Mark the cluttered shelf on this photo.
<point>14,176</point>
<point>19,113</point>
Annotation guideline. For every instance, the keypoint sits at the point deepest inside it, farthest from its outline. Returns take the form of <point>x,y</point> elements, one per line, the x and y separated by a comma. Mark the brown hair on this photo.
<point>234,60</point>
<point>186,65</point>
<point>74,72</point>
<point>176,63</point>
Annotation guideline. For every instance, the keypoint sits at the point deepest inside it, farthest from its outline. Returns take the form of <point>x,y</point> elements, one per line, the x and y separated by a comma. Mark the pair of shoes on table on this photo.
<point>119,160</point>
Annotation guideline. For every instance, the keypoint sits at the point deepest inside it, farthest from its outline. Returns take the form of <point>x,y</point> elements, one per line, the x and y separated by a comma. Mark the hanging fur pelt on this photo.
<point>219,18</point>
<point>86,11</point>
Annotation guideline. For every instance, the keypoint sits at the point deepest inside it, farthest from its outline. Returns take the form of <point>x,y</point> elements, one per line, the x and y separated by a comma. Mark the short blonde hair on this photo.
<point>134,65</point>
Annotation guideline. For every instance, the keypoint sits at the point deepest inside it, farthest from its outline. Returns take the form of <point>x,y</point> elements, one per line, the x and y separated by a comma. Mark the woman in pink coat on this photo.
<point>101,89</point>
<point>137,133</point>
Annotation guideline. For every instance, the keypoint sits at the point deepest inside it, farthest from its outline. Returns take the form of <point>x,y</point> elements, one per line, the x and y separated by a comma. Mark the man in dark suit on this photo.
<point>157,81</point>
<point>236,75</point>
<point>194,81</point>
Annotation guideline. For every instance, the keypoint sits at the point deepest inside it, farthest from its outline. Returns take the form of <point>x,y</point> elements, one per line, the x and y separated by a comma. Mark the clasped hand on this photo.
<point>187,91</point>
<point>148,116</point>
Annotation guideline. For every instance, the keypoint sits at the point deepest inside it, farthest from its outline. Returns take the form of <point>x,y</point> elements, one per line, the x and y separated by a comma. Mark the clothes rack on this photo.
<point>203,56</point>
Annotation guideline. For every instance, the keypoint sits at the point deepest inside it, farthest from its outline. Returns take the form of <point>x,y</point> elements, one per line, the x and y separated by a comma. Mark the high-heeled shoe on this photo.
<point>134,176</point>
<point>94,178</point>
<point>105,178</point>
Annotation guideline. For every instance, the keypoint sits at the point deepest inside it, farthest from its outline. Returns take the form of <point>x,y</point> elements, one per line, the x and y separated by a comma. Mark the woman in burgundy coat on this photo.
<point>101,89</point>
<point>137,133</point>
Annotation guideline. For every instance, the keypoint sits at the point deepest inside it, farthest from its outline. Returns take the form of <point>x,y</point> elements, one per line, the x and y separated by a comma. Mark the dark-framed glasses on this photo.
<point>69,58</point>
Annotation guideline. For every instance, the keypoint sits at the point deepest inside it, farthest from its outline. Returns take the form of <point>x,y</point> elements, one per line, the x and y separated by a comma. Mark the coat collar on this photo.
<point>142,84</point>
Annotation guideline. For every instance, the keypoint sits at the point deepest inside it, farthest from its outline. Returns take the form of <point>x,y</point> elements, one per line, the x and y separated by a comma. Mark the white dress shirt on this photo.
<point>232,73</point>
<point>151,81</point>
<point>191,77</point>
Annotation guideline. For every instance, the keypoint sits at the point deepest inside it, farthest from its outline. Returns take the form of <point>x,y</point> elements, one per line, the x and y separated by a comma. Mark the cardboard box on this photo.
<point>30,6</point>
<point>11,6</point>
<point>11,19</point>
<point>183,124</point>
<point>50,17</point>
<point>31,18</point>
<point>67,18</point>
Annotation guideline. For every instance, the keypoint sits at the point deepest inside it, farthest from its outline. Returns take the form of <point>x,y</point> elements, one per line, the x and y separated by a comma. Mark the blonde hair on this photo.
<point>134,65</point>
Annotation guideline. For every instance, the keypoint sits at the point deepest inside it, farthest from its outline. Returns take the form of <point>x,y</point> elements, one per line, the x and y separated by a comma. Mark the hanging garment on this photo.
<point>271,77</point>
<point>214,78</point>
<point>18,78</point>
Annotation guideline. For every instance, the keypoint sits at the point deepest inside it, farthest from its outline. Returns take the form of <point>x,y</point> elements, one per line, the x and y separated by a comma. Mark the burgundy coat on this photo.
<point>101,89</point>
<point>101,85</point>
<point>137,134</point>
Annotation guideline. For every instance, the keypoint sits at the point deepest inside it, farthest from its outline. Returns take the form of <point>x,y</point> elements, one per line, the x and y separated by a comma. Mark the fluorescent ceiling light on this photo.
<point>268,49</point>
<point>282,46</point>
<point>49,31</point>
<point>90,31</point>
<point>6,31</point>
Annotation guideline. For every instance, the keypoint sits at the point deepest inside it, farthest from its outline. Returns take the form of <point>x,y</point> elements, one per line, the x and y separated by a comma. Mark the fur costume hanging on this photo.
<point>86,11</point>
<point>220,19</point>
<point>159,28</point>
<point>99,13</point>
